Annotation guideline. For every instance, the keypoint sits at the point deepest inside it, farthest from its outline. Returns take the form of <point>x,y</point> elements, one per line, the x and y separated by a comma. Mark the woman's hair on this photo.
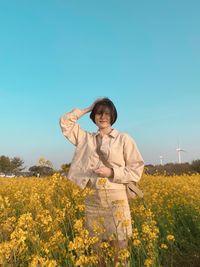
<point>104,105</point>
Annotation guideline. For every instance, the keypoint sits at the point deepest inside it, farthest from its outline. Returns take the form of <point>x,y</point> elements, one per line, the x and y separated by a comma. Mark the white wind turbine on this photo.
<point>161,160</point>
<point>179,150</point>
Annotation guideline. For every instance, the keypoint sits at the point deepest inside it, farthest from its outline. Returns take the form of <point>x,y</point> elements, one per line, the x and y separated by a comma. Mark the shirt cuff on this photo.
<point>118,173</point>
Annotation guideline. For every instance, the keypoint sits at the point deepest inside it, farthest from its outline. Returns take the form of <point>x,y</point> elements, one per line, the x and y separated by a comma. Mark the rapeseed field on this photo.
<point>42,224</point>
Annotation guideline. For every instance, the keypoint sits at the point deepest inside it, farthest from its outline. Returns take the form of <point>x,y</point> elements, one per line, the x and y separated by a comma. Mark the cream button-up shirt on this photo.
<point>118,149</point>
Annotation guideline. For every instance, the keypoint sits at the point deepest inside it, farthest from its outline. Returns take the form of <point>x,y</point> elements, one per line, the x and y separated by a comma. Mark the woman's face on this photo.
<point>103,118</point>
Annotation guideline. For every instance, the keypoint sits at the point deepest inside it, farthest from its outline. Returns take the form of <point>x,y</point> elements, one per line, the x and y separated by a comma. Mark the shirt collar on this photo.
<point>113,133</point>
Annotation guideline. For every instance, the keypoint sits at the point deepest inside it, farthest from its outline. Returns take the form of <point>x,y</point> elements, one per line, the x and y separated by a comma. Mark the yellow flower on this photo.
<point>98,226</point>
<point>80,207</point>
<point>170,238</point>
<point>78,225</point>
<point>101,181</point>
<point>136,242</point>
<point>119,215</point>
<point>126,223</point>
<point>81,261</point>
<point>123,254</point>
<point>163,246</point>
<point>148,262</point>
<point>104,245</point>
<point>135,233</point>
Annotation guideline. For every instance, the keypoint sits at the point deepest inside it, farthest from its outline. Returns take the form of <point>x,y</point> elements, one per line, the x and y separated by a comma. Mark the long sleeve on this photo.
<point>70,128</point>
<point>134,164</point>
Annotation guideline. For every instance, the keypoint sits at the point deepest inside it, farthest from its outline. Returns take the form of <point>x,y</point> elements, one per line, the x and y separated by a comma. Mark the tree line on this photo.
<point>44,167</point>
<point>174,168</point>
<point>15,166</point>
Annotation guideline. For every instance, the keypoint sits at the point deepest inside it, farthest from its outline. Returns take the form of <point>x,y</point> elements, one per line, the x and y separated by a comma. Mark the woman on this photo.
<point>105,161</point>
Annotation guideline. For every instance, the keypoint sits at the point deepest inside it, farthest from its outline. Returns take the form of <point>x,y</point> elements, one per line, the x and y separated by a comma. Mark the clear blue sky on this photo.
<point>57,55</point>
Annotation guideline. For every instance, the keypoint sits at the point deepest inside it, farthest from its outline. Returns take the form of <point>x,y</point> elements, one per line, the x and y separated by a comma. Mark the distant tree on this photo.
<point>42,170</point>
<point>65,167</point>
<point>5,165</point>
<point>196,165</point>
<point>11,164</point>
<point>16,164</point>
<point>45,163</point>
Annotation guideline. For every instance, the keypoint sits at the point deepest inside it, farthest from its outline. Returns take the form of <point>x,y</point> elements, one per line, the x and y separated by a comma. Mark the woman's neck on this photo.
<point>105,131</point>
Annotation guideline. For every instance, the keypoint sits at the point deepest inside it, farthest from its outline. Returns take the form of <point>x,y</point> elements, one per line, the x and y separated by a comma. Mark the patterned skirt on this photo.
<point>108,214</point>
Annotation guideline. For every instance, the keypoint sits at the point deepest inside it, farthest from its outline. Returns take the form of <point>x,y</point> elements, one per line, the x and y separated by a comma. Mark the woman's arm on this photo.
<point>134,164</point>
<point>70,128</point>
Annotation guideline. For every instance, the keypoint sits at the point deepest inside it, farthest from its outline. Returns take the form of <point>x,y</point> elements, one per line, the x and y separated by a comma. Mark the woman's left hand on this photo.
<point>104,172</point>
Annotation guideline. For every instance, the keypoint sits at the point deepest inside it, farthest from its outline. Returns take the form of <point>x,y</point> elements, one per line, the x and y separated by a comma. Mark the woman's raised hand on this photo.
<point>90,108</point>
